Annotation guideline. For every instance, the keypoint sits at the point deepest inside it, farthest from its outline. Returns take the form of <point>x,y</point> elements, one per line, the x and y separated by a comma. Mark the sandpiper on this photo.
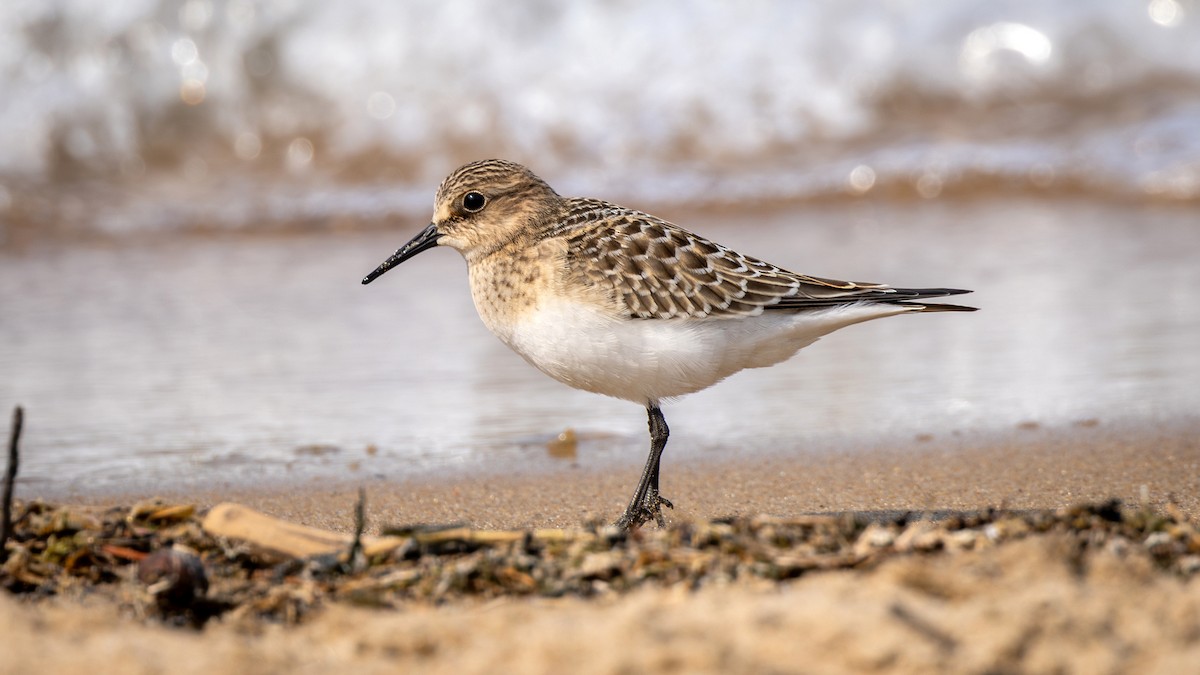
<point>619,302</point>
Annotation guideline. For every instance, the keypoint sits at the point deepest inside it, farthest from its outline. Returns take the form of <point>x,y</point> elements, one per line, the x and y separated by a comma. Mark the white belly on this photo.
<point>647,360</point>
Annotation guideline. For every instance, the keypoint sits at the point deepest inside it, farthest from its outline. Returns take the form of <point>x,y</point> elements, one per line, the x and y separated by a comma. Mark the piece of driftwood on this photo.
<point>243,523</point>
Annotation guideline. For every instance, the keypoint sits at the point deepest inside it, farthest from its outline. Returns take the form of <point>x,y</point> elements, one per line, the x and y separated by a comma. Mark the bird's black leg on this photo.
<point>647,503</point>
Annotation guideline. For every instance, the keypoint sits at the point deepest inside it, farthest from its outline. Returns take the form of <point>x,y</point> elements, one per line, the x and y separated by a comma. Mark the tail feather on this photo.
<point>916,293</point>
<point>936,307</point>
<point>912,296</point>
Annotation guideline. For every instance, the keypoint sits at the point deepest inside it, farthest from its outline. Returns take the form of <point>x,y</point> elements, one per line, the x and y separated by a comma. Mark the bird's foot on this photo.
<point>650,508</point>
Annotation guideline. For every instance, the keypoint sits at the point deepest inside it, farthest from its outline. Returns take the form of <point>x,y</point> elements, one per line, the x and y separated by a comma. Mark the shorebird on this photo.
<point>618,302</point>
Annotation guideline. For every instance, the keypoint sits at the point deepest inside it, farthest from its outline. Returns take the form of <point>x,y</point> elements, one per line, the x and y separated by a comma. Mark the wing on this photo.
<point>658,270</point>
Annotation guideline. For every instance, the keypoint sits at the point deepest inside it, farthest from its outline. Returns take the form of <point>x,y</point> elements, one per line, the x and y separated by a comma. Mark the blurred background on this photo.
<point>190,191</point>
<point>151,107</point>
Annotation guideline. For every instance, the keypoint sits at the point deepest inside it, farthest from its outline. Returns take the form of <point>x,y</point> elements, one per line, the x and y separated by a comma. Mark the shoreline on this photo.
<point>1028,468</point>
<point>1046,600</point>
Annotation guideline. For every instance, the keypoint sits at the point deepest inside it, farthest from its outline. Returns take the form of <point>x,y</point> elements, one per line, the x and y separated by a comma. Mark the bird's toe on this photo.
<point>650,508</point>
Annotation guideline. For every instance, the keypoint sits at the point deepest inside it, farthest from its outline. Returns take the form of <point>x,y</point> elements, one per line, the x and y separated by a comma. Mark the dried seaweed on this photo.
<point>158,560</point>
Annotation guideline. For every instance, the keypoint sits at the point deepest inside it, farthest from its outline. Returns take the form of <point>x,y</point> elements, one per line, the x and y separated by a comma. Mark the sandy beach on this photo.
<point>1028,605</point>
<point>1018,608</point>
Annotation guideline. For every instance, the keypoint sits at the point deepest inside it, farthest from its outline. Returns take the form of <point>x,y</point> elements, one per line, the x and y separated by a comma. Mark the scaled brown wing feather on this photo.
<point>657,270</point>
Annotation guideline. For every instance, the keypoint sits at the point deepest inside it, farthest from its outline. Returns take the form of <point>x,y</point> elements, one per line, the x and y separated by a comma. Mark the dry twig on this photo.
<point>10,477</point>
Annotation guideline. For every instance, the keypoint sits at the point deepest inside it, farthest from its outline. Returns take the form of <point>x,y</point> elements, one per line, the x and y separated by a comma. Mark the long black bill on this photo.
<point>427,239</point>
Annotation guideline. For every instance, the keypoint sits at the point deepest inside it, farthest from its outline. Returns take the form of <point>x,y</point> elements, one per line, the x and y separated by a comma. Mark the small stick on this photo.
<point>10,477</point>
<point>360,524</point>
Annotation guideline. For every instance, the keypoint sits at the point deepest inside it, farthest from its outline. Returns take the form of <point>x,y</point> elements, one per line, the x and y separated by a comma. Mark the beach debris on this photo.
<point>174,576</point>
<point>564,445</point>
<point>185,566</point>
<point>158,512</point>
<point>10,478</point>
<point>356,559</point>
<point>282,538</point>
<point>323,565</point>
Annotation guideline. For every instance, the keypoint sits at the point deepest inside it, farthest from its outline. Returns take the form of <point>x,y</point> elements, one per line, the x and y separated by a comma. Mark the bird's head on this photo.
<point>479,208</point>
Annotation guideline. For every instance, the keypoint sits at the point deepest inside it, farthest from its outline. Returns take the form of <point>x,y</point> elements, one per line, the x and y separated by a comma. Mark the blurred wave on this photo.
<point>224,113</point>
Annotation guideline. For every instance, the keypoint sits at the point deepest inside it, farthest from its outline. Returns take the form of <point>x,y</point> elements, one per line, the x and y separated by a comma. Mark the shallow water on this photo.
<point>203,361</point>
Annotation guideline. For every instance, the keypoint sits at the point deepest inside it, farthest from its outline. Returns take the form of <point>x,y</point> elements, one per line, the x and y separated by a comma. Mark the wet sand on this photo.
<point>1028,468</point>
<point>1031,605</point>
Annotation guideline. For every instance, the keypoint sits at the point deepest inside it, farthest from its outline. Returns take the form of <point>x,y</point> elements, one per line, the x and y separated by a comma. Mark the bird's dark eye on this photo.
<point>473,201</point>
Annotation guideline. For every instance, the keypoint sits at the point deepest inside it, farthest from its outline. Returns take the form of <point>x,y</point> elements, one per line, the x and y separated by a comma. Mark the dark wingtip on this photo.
<point>938,307</point>
<point>914,297</point>
<point>933,292</point>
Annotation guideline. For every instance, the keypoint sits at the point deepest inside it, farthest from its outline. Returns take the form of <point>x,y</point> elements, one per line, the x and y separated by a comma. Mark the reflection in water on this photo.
<point>211,361</point>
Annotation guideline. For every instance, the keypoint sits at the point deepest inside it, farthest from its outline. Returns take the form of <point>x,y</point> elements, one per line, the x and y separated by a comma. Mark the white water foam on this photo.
<point>661,101</point>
